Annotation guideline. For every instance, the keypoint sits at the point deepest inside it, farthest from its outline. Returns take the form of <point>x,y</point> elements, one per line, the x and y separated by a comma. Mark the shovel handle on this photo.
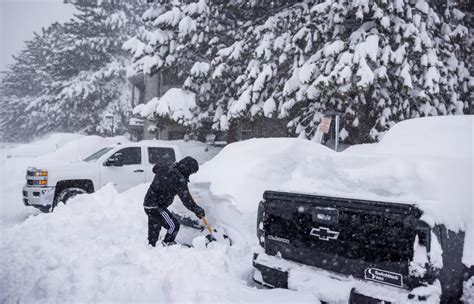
<point>204,220</point>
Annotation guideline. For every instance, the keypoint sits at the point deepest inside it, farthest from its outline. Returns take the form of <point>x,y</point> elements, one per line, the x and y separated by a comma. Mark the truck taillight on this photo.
<point>260,224</point>
<point>423,231</point>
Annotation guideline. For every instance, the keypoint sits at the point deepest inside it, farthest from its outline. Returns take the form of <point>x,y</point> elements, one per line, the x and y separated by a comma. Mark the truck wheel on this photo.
<point>66,194</point>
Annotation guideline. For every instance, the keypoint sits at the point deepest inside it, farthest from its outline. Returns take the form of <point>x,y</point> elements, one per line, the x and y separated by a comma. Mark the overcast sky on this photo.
<point>20,18</point>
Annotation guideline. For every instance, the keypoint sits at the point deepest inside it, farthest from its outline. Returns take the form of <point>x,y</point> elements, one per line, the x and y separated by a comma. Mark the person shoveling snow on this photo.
<point>171,180</point>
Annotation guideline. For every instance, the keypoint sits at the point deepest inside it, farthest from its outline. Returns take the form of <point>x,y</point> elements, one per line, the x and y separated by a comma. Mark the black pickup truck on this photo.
<point>369,251</point>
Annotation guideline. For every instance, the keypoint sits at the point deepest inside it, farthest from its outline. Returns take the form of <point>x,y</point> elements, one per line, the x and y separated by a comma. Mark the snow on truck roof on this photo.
<point>426,161</point>
<point>443,136</point>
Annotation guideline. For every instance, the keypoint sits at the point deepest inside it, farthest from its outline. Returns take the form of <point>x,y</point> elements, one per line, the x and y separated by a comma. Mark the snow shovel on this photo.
<point>215,235</point>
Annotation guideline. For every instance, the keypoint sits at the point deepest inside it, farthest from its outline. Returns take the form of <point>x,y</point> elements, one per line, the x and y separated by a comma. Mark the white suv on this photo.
<point>125,165</point>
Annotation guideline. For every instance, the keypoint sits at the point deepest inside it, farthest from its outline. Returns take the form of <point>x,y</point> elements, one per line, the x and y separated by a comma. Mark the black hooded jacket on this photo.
<point>171,180</point>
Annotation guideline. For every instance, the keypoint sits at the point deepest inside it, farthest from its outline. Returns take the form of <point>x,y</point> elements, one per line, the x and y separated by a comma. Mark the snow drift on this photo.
<point>244,170</point>
<point>95,250</point>
<point>424,161</point>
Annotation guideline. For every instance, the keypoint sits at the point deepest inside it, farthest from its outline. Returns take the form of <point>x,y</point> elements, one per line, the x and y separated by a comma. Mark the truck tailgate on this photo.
<point>366,239</point>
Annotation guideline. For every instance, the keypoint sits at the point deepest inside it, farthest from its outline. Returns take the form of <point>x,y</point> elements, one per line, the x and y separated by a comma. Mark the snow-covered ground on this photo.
<point>95,248</point>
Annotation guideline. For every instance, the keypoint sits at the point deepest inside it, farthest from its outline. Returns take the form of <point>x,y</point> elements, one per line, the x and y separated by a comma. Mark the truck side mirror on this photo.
<point>115,161</point>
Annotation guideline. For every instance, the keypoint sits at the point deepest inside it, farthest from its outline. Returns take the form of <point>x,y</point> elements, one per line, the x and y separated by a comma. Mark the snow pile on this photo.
<point>244,170</point>
<point>444,136</point>
<point>176,104</point>
<point>440,186</point>
<point>95,250</point>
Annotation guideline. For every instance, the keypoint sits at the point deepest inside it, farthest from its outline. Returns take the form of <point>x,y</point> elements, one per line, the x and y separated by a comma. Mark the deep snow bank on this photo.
<point>440,150</point>
<point>95,250</point>
<point>244,170</point>
<point>409,165</point>
<point>431,137</point>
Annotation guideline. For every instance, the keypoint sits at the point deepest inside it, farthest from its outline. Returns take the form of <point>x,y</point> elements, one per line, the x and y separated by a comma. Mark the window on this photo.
<point>97,155</point>
<point>129,156</point>
<point>161,155</point>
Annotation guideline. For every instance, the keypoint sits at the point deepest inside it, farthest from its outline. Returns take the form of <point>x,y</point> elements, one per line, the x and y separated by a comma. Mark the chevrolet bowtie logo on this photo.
<point>324,233</point>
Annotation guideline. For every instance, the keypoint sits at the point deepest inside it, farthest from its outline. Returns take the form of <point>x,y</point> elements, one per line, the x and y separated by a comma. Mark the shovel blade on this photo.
<point>219,235</point>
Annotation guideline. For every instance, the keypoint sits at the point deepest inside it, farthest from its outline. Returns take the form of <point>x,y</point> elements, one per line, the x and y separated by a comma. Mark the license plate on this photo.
<point>384,277</point>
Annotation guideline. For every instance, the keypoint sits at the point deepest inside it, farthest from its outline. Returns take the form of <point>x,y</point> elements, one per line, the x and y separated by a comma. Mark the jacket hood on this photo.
<point>188,166</point>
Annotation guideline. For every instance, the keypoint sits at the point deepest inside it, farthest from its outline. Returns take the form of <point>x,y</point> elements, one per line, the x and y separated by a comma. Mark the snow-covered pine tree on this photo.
<point>180,37</point>
<point>378,62</point>
<point>90,68</point>
<point>253,70</point>
<point>87,66</point>
<point>190,37</point>
<point>23,82</point>
<point>381,62</point>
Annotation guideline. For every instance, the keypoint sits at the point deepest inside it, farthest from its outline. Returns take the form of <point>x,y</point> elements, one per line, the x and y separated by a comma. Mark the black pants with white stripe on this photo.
<point>157,218</point>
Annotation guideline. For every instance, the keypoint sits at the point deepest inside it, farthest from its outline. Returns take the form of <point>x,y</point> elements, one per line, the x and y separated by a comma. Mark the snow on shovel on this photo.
<point>218,235</point>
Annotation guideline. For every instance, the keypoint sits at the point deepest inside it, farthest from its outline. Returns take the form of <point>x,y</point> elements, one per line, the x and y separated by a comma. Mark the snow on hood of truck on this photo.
<point>426,161</point>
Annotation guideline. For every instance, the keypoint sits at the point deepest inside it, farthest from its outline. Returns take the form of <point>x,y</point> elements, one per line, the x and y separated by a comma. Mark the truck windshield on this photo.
<point>97,154</point>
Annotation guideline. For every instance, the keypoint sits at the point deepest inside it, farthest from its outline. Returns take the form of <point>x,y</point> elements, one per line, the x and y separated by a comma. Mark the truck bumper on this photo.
<point>274,272</point>
<point>39,197</point>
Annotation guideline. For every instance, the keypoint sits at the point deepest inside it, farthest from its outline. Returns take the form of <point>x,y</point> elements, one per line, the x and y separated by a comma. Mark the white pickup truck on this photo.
<point>124,165</point>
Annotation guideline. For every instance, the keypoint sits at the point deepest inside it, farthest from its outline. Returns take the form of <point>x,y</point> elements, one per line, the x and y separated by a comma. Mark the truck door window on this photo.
<point>161,155</point>
<point>129,156</point>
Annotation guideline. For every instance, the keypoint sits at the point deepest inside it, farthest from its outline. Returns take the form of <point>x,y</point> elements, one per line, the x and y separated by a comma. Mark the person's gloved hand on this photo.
<point>200,212</point>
